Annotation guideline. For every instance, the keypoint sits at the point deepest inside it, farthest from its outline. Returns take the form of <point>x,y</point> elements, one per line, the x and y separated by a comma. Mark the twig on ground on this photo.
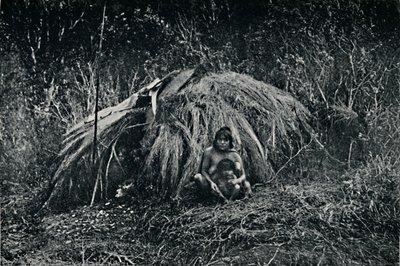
<point>119,257</point>
<point>273,257</point>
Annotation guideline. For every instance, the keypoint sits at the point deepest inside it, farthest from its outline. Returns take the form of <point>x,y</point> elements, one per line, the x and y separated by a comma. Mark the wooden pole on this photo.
<point>96,108</point>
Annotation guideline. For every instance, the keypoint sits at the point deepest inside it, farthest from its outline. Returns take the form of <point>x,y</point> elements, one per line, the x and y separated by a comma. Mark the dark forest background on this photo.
<point>340,58</point>
<point>343,54</point>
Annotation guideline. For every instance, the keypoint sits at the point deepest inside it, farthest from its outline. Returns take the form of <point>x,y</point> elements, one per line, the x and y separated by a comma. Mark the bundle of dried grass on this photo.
<point>190,107</point>
<point>264,120</point>
<point>113,122</point>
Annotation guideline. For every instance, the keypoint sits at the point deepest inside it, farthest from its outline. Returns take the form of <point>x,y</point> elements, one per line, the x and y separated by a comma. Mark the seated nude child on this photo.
<point>226,178</point>
<point>221,149</point>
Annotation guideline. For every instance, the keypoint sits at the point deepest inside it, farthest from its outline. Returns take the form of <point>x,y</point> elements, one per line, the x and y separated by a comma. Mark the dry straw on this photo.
<point>191,106</point>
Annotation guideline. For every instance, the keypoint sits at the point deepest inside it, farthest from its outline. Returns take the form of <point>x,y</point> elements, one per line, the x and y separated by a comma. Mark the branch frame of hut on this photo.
<point>164,128</point>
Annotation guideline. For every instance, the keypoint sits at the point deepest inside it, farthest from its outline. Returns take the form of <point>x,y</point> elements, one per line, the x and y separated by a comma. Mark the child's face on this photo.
<point>227,172</point>
<point>223,143</point>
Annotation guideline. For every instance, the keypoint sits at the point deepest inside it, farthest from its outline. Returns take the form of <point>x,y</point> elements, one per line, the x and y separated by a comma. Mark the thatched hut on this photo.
<point>162,130</point>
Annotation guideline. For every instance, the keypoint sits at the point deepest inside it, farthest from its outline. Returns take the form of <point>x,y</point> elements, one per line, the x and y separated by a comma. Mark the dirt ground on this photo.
<point>279,225</point>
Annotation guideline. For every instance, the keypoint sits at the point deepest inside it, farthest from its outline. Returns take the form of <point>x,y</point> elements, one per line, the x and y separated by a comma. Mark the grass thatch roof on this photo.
<point>189,108</point>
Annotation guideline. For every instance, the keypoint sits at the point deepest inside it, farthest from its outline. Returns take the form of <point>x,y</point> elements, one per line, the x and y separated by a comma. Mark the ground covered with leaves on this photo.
<point>324,223</point>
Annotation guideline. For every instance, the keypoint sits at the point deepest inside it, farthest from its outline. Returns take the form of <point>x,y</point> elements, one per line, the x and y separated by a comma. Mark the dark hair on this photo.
<point>227,164</point>
<point>226,133</point>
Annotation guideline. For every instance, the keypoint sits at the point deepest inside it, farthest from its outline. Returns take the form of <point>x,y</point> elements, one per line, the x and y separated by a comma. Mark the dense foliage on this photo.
<point>327,53</point>
<point>340,58</point>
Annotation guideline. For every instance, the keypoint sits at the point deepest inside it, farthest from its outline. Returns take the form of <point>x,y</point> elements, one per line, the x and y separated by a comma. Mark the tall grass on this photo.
<point>348,77</point>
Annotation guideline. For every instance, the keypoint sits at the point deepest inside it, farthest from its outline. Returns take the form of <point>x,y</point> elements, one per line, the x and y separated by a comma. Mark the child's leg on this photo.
<point>235,192</point>
<point>205,188</point>
<point>247,188</point>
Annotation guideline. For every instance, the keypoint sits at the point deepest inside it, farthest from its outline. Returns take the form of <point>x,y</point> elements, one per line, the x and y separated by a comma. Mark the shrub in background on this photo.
<point>308,49</point>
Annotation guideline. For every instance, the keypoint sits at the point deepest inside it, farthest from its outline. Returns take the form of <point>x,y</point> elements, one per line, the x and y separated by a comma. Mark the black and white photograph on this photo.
<point>200,132</point>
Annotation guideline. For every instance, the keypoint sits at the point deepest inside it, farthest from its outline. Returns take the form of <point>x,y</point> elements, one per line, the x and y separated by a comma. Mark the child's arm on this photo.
<point>239,180</point>
<point>240,174</point>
